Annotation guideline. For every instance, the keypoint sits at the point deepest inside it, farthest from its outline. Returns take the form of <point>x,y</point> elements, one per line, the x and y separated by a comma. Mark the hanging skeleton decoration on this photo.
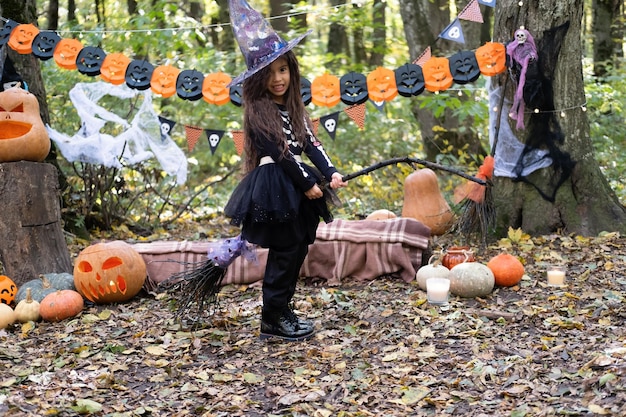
<point>522,52</point>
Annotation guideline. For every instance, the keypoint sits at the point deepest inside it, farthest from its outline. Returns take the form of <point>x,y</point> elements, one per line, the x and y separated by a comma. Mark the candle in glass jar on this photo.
<point>437,290</point>
<point>556,275</point>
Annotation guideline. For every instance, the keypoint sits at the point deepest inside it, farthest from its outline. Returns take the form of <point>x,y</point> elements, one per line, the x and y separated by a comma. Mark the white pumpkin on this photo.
<point>434,269</point>
<point>471,279</point>
<point>7,316</point>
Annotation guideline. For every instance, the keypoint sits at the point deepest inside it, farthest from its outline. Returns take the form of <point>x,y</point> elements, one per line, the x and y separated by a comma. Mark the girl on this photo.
<point>279,202</point>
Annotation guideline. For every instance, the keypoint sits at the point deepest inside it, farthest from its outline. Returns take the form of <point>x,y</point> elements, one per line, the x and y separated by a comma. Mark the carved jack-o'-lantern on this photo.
<point>189,85</point>
<point>139,74</point>
<point>236,94</point>
<point>163,80</point>
<point>66,52</point>
<point>464,67</point>
<point>215,90</point>
<point>5,33</point>
<point>381,84</point>
<point>409,80</point>
<point>491,58</point>
<point>325,90</point>
<point>23,136</point>
<point>437,76</point>
<point>90,60</point>
<point>113,68</point>
<point>353,88</point>
<point>109,272</point>
<point>22,37</point>
<point>305,91</point>
<point>44,44</point>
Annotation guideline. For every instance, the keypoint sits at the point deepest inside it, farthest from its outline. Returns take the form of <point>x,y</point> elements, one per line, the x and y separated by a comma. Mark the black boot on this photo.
<point>284,326</point>
<point>302,324</point>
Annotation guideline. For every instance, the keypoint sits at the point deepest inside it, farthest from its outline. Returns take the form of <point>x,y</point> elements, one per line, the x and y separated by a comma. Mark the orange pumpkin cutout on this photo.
<point>437,75</point>
<point>23,135</point>
<point>325,90</point>
<point>381,84</point>
<point>491,58</point>
<point>163,81</point>
<point>8,290</point>
<point>22,37</point>
<point>109,272</point>
<point>114,67</point>
<point>215,90</point>
<point>66,52</point>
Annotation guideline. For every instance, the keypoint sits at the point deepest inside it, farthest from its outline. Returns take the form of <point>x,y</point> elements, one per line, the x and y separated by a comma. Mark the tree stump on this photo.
<point>31,232</point>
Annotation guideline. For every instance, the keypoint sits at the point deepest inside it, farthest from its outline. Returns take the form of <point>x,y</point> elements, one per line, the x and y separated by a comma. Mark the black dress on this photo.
<point>269,203</point>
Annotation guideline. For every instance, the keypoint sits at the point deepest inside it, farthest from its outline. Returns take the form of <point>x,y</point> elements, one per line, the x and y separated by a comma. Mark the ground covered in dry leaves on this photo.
<point>380,350</point>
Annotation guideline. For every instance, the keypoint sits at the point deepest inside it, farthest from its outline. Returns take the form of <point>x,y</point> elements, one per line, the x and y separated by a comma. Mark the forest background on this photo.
<point>347,36</point>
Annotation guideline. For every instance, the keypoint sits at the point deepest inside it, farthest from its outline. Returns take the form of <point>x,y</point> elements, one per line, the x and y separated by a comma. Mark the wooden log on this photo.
<point>31,232</point>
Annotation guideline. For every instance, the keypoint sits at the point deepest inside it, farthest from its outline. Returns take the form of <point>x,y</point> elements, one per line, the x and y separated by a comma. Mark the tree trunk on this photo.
<point>31,232</point>
<point>379,34</point>
<point>584,203</point>
<point>605,23</point>
<point>423,20</point>
<point>338,45</point>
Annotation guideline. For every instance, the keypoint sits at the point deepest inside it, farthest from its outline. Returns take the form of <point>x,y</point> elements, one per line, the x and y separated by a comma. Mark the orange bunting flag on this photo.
<point>238,139</point>
<point>193,134</point>
<point>316,125</point>
<point>472,190</point>
<point>357,114</point>
<point>424,56</point>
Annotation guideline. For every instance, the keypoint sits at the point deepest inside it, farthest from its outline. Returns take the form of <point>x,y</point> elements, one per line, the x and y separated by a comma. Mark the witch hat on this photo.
<point>258,41</point>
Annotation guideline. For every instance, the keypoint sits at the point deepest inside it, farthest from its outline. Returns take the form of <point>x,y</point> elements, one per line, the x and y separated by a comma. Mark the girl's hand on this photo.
<point>337,182</point>
<point>314,192</point>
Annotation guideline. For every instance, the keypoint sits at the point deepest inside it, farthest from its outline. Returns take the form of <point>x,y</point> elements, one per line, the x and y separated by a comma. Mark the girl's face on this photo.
<point>278,81</point>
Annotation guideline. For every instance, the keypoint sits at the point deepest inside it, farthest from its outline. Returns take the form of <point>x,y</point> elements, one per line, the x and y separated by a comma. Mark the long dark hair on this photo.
<point>261,114</point>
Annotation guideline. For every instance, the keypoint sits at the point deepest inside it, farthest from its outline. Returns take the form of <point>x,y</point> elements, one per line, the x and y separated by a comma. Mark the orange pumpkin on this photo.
<point>8,289</point>
<point>437,75</point>
<point>22,37</point>
<point>423,201</point>
<point>109,272</point>
<point>66,52</point>
<point>61,305</point>
<point>507,269</point>
<point>215,88</point>
<point>114,67</point>
<point>491,58</point>
<point>163,81</point>
<point>325,90</point>
<point>381,84</point>
<point>23,136</point>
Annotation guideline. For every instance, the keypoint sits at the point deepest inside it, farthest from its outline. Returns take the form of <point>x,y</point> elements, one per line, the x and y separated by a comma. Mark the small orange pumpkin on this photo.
<point>109,272</point>
<point>326,91</point>
<point>215,88</point>
<point>8,289</point>
<point>437,75</point>
<point>114,67</point>
<point>61,305</point>
<point>66,52</point>
<point>491,58</point>
<point>22,37</point>
<point>381,84</point>
<point>507,269</point>
<point>23,136</point>
<point>163,81</point>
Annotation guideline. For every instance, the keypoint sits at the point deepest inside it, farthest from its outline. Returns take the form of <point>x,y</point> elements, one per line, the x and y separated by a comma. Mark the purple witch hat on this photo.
<point>258,41</point>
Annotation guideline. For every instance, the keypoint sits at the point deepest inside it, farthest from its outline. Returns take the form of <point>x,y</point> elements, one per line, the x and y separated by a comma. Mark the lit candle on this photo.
<point>556,276</point>
<point>437,290</point>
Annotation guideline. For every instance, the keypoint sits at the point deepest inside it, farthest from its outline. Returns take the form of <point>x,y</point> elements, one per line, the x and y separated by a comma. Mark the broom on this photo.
<point>200,282</point>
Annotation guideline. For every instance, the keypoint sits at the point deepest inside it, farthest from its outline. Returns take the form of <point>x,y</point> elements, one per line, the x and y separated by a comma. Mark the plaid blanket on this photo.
<point>344,249</point>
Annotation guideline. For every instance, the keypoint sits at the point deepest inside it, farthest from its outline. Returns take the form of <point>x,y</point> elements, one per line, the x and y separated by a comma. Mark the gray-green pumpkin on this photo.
<point>44,285</point>
<point>471,279</point>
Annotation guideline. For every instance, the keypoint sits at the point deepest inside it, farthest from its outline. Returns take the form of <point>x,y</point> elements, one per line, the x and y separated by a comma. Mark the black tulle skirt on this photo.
<point>273,211</point>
